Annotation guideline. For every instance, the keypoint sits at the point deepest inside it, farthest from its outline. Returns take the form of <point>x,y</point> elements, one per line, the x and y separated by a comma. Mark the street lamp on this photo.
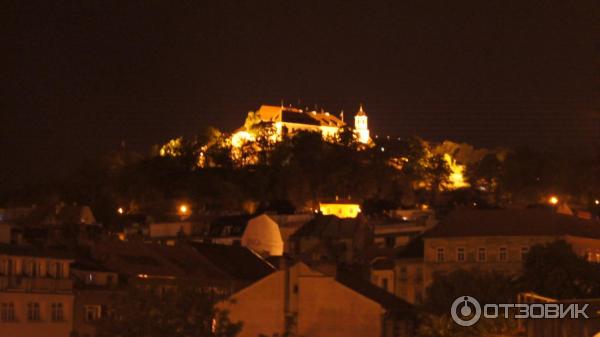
<point>184,209</point>
<point>553,200</point>
<point>120,210</point>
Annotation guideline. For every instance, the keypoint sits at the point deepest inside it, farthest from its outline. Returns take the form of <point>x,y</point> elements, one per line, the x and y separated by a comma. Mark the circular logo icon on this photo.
<point>465,311</point>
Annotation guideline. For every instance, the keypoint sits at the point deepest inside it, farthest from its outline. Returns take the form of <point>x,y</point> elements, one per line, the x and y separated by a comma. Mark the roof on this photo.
<point>534,222</point>
<point>134,258</point>
<point>207,262</point>
<point>391,303</point>
<point>228,226</point>
<point>299,118</point>
<point>89,265</point>
<point>327,119</point>
<point>32,251</point>
<point>361,112</point>
<point>340,202</point>
<point>238,262</point>
<point>329,226</point>
<point>271,113</point>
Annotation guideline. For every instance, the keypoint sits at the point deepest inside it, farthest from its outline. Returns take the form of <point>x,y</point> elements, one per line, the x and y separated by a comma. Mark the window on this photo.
<point>92,312</point>
<point>57,312</point>
<point>33,311</point>
<point>89,279</point>
<point>460,254</point>
<point>502,254</point>
<point>481,255</point>
<point>390,241</point>
<point>524,251</point>
<point>403,274</point>
<point>36,270</point>
<point>7,312</point>
<point>8,267</point>
<point>440,255</point>
<point>59,270</point>
<point>384,283</point>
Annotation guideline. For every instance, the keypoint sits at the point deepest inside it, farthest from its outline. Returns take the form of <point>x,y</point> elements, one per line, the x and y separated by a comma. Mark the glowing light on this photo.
<point>120,210</point>
<point>340,209</point>
<point>172,148</point>
<point>553,200</point>
<point>597,202</point>
<point>183,209</point>
<point>456,178</point>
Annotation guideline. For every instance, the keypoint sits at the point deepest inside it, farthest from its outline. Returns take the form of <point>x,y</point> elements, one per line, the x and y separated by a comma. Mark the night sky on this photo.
<point>79,78</point>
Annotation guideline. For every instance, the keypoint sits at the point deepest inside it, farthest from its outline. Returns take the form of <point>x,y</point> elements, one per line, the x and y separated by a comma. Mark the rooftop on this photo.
<point>330,226</point>
<point>511,222</point>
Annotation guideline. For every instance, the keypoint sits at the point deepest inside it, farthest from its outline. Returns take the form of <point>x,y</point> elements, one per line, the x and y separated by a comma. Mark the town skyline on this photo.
<point>523,77</point>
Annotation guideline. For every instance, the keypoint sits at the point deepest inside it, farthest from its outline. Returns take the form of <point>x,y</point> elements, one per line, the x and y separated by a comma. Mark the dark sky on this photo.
<point>79,77</point>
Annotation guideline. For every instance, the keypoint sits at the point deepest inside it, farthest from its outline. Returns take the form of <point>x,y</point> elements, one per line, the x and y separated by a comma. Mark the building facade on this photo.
<point>317,304</point>
<point>290,120</point>
<point>36,293</point>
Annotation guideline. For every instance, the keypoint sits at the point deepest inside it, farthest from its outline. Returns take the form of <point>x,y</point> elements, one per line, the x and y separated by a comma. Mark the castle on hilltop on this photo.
<point>289,120</point>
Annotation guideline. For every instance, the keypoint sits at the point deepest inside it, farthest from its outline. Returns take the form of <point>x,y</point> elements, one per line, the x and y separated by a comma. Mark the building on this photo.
<point>327,238</point>
<point>113,267</point>
<point>289,120</point>
<point>561,327</point>
<point>10,233</point>
<point>401,273</point>
<point>94,287</point>
<point>307,302</point>
<point>36,292</point>
<point>498,240</point>
<point>487,240</point>
<point>340,208</point>
<point>265,234</point>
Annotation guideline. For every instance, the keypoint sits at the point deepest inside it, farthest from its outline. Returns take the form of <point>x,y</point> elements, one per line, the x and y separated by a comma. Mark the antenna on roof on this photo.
<point>342,115</point>
<point>282,103</point>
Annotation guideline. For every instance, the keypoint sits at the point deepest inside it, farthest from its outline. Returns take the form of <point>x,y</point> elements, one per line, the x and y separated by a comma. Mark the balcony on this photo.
<point>26,283</point>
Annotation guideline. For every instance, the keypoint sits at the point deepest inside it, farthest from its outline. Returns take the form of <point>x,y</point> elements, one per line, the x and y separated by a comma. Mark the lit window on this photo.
<point>481,254</point>
<point>503,254</point>
<point>524,251</point>
<point>460,254</point>
<point>92,312</point>
<point>440,255</point>
<point>7,312</point>
<point>33,311</point>
<point>57,312</point>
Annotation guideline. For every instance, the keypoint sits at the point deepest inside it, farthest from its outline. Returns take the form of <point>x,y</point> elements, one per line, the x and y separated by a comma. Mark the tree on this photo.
<point>486,287</point>
<point>554,270</point>
<point>437,173</point>
<point>185,312</point>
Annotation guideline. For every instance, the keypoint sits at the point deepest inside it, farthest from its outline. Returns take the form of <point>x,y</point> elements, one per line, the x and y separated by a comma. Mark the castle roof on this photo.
<point>271,113</point>
<point>361,112</point>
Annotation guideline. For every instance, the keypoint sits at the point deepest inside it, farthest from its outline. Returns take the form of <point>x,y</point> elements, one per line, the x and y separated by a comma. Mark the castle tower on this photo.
<point>361,126</point>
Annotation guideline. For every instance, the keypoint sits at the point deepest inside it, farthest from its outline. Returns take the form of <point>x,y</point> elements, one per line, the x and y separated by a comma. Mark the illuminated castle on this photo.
<point>288,120</point>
